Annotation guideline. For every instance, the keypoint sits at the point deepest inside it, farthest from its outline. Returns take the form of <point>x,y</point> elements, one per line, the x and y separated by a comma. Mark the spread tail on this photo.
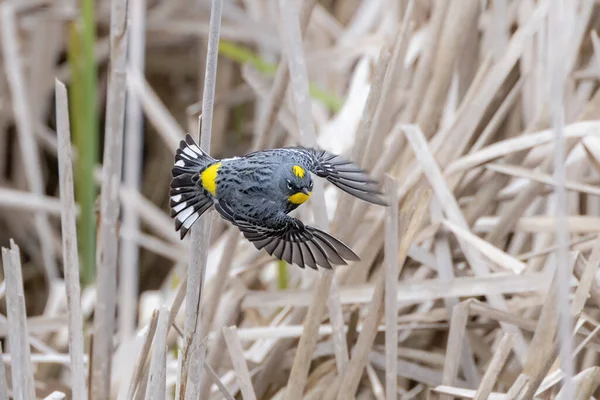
<point>190,158</point>
<point>188,200</point>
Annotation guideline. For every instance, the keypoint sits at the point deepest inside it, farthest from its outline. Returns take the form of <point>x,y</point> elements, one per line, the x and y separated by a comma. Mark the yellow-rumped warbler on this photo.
<point>257,191</point>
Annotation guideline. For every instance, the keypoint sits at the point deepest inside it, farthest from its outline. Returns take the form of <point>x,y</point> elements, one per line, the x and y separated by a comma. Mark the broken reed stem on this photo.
<point>494,368</point>
<point>132,174</point>
<point>378,391</point>
<point>424,69</point>
<point>219,282</point>
<point>391,288</point>
<point>434,175</point>
<point>582,293</point>
<point>557,40</point>
<point>21,370</point>
<point>143,384</point>
<point>480,101</point>
<point>193,359</point>
<point>446,274</point>
<point>346,201</point>
<point>217,381</point>
<point>336,316</point>
<point>451,39</point>
<point>308,339</point>
<point>392,76</point>
<point>519,390</point>
<point>104,316</point>
<point>414,292</point>
<point>587,275</point>
<point>156,388</point>
<point>21,200</point>
<point>229,311</point>
<point>585,384</point>
<point>292,38</point>
<point>543,348</point>
<point>454,347</point>
<point>23,119</point>
<point>272,362</point>
<point>411,218</point>
<point>69,242</point>
<point>236,352</point>
<point>177,301</point>
<point>138,368</point>
<point>276,96</point>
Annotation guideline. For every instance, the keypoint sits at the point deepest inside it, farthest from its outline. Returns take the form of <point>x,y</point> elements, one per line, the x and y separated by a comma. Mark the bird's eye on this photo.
<point>289,184</point>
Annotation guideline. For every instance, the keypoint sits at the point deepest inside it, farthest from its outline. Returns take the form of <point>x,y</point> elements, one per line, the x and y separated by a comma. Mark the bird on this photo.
<point>257,191</point>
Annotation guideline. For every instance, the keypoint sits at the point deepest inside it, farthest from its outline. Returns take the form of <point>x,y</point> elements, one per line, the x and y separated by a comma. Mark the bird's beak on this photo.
<point>306,191</point>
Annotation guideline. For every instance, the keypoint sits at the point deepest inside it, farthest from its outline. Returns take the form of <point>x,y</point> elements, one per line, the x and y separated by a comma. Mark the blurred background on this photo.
<point>484,80</point>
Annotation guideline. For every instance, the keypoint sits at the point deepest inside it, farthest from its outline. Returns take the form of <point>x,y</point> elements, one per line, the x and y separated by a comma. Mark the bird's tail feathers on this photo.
<point>188,200</point>
<point>190,158</point>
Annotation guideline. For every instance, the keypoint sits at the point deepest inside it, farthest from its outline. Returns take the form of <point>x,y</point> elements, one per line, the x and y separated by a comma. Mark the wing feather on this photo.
<point>329,251</point>
<point>308,256</point>
<point>288,239</point>
<point>340,248</point>
<point>297,257</point>
<point>288,251</point>
<point>280,249</point>
<point>344,174</point>
<point>270,248</point>
<point>319,254</point>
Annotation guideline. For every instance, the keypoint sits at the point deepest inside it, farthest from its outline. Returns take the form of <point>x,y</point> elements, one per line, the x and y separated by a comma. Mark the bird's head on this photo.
<point>296,183</point>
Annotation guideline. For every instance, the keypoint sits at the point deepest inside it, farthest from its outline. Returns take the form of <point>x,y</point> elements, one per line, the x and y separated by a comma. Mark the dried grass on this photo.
<point>480,281</point>
<point>106,271</point>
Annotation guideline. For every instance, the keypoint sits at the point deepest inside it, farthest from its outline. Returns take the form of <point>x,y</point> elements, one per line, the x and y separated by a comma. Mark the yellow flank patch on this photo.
<point>299,198</point>
<point>299,171</point>
<point>209,178</point>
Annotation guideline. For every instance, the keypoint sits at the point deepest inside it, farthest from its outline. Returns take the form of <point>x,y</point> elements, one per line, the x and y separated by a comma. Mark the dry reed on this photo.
<point>479,281</point>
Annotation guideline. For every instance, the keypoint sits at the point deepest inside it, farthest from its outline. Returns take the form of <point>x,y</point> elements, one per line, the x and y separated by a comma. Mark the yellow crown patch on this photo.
<point>299,171</point>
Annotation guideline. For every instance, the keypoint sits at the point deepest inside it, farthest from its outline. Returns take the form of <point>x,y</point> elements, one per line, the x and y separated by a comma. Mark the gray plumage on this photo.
<point>257,191</point>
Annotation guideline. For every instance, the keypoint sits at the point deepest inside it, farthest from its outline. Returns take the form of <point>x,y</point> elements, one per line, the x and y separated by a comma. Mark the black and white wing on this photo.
<point>288,239</point>
<point>344,174</point>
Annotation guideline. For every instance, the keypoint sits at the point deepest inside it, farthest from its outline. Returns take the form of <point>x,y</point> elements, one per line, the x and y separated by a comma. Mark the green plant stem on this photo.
<point>283,280</point>
<point>84,124</point>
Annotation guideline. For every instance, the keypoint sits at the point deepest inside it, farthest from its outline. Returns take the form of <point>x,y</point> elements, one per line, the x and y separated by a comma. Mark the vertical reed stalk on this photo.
<point>69,240</point>
<point>104,316</point>
<point>193,356</point>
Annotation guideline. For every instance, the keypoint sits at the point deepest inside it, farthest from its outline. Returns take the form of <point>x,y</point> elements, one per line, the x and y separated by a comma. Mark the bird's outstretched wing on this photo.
<point>288,239</point>
<point>344,174</point>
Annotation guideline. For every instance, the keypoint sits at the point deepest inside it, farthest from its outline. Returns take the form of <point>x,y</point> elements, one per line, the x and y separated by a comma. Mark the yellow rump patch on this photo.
<point>209,178</point>
<point>299,171</point>
<point>299,198</point>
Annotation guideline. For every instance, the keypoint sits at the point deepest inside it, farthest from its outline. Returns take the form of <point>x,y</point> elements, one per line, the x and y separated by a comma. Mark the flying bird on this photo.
<point>256,192</point>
